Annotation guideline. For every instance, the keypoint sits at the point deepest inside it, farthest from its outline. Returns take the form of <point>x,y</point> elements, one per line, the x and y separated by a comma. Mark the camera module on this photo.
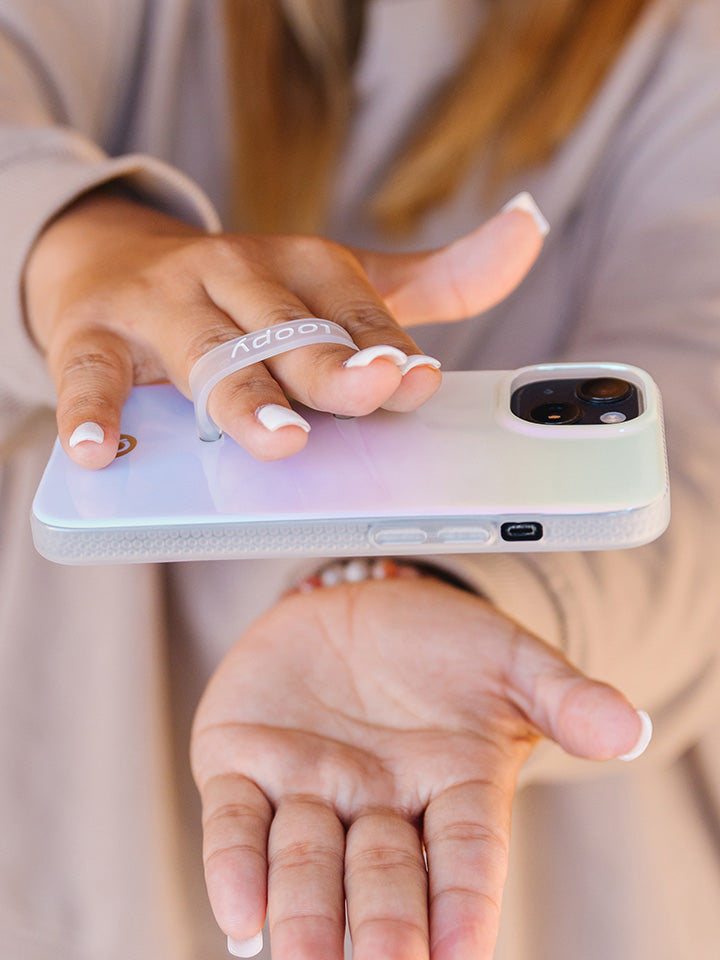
<point>577,400</point>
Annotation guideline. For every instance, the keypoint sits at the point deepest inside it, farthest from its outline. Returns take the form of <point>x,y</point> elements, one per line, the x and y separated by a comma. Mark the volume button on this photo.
<point>469,534</point>
<point>398,536</point>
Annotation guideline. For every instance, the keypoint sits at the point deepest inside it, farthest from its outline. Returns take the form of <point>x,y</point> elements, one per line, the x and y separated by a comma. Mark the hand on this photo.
<point>120,294</point>
<point>352,728</point>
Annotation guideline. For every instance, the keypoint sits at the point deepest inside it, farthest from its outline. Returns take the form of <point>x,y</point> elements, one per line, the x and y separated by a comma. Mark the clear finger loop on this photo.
<point>228,358</point>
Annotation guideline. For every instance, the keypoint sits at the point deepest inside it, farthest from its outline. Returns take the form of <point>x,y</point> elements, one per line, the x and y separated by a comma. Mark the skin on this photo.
<point>119,294</point>
<point>408,730</point>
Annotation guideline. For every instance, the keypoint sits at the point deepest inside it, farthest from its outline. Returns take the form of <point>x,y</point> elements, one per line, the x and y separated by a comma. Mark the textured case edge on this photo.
<point>327,538</point>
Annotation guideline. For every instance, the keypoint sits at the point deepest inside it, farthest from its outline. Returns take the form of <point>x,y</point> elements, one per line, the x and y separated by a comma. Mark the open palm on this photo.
<point>354,730</point>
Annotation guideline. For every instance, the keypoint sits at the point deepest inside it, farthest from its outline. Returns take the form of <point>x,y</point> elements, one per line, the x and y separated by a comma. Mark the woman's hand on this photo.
<point>120,294</point>
<point>353,728</point>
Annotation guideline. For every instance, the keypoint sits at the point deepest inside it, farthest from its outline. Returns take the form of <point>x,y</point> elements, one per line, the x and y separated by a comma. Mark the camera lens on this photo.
<point>555,413</point>
<point>604,390</point>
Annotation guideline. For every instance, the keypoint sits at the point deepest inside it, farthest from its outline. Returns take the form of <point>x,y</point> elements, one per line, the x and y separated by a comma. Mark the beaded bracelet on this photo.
<point>355,571</point>
<point>384,568</point>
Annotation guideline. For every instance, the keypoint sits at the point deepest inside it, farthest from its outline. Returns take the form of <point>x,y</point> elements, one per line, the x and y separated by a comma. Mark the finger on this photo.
<point>236,822</point>
<point>347,297</point>
<point>248,405</point>
<point>306,898</point>
<point>309,276</point>
<point>462,279</point>
<point>386,884</point>
<point>93,373</point>
<point>467,835</point>
<point>586,717</point>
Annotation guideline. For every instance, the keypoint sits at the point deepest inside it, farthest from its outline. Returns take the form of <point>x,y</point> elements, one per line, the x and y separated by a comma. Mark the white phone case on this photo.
<point>462,474</point>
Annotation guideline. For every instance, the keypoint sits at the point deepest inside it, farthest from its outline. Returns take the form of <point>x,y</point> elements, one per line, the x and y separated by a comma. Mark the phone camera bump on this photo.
<point>576,400</point>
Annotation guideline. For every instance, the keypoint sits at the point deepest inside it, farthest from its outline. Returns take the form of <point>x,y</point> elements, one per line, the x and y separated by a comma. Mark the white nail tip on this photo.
<point>87,431</point>
<point>419,360</point>
<point>273,416</point>
<point>524,201</point>
<point>644,739</point>
<point>246,948</point>
<point>364,358</point>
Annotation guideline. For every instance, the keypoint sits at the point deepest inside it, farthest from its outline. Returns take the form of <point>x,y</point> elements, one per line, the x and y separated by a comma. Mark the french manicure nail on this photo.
<point>87,431</point>
<point>365,357</point>
<point>419,360</point>
<point>524,201</point>
<point>646,732</point>
<point>273,416</point>
<point>246,948</point>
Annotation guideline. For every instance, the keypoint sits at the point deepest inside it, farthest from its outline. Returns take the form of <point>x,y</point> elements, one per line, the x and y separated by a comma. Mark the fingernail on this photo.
<point>643,740</point>
<point>87,431</point>
<point>246,948</point>
<point>273,416</point>
<point>419,360</point>
<point>524,201</point>
<point>365,357</point>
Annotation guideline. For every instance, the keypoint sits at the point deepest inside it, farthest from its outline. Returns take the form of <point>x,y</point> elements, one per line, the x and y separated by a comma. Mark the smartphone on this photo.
<point>544,458</point>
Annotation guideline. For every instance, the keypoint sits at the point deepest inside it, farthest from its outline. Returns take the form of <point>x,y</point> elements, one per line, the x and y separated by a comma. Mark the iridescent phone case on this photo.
<point>463,474</point>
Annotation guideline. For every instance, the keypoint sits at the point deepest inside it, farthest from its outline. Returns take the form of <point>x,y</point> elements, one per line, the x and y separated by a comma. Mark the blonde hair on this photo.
<point>517,96</point>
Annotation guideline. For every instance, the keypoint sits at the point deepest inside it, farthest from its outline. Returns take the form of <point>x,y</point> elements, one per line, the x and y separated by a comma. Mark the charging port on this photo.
<point>526,530</point>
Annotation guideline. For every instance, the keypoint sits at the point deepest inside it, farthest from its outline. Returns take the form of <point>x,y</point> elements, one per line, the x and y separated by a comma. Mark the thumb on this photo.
<point>466,277</point>
<point>585,717</point>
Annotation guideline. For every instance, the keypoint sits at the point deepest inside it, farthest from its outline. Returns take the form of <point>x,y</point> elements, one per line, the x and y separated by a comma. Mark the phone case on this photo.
<point>461,474</point>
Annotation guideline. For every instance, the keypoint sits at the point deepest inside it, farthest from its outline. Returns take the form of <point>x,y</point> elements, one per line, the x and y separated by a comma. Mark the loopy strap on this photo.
<point>250,348</point>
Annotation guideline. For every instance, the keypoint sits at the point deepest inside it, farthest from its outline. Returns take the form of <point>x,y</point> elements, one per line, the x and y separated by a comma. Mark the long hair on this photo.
<point>521,90</point>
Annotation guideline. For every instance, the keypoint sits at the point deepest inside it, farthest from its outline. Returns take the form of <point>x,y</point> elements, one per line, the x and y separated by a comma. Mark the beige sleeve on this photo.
<point>50,128</point>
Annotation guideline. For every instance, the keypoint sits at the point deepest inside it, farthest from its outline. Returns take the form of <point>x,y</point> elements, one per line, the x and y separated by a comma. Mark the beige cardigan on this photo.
<point>100,668</point>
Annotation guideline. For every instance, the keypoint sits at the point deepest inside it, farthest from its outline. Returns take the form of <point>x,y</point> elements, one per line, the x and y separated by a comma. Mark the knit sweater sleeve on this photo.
<point>62,70</point>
